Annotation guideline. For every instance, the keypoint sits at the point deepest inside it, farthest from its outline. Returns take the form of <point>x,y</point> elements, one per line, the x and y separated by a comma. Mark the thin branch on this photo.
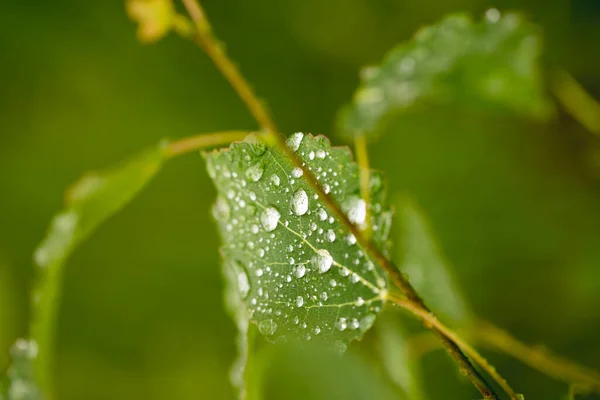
<point>364,170</point>
<point>430,320</point>
<point>538,358</point>
<point>211,46</point>
<point>204,140</point>
<point>576,101</point>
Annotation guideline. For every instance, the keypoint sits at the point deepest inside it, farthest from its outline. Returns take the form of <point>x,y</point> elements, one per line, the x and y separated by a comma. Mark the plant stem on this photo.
<point>364,171</point>
<point>431,320</point>
<point>538,358</point>
<point>211,46</point>
<point>576,101</point>
<point>203,140</point>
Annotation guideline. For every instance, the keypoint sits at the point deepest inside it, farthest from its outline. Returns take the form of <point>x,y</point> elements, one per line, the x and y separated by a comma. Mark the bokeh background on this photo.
<point>516,204</point>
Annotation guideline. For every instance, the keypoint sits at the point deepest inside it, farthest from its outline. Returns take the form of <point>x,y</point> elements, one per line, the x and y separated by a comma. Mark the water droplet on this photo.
<point>326,188</point>
<point>300,271</point>
<point>492,15</point>
<point>294,141</point>
<point>267,327</point>
<point>360,301</point>
<point>321,154</point>
<point>354,324</point>
<point>322,260</point>
<point>356,209</point>
<point>322,214</point>
<point>299,202</point>
<point>243,284</point>
<point>341,324</point>
<point>299,301</point>
<point>330,235</point>
<point>259,272</point>
<point>324,296</point>
<point>311,155</point>
<point>255,172</point>
<point>367,322</point>
<point>351,239</point>
<point>275,181</point>
<point>297,172</point>
<point>333,283</point>
<point>254,229</point>
<point>270,218</point>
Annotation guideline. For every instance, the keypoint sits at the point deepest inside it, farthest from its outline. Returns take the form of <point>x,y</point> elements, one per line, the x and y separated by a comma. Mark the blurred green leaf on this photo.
<point>491,64</point>
<point>420,257</point>
<point>92,200</point>
<point>396,359</point>
<point>298,272</point>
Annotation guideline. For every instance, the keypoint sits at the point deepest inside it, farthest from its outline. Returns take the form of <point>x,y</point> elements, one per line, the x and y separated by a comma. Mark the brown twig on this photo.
<point>202,141</point>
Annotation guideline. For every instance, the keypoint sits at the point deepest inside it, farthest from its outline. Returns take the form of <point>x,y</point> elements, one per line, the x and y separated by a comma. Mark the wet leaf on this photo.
<point>298,271</point>
<point>90,202</point>
<point>420,257</point>
<point>491,65</point>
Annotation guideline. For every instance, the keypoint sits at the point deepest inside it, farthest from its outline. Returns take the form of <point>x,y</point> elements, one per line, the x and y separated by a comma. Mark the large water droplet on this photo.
<point>299,202</point>
<point>270,218</point>
<point>356,209</point>
<point>300,271</point>
<point>294,141</point>
<point>297,172</point>
<point>267,327</point>
<point>255,172</point>
<point>322,260</point>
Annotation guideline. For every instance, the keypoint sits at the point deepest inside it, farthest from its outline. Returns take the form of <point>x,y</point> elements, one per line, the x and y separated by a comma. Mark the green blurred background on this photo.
<point>516,204</point>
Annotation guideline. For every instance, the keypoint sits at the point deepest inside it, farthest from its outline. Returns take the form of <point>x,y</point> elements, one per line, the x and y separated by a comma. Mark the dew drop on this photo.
<point>300,271</point>
<point>322,214</point>
<point>270,218</point>
<point>254,229</point>
<point>367,322</point>
<point>322,260</point>
<point>330,235</point>
<point>311,155</point>
<point>356,209</point>
<point>351,239</point>
<point>299,301</point>
<point>255,172</point>
<point>341,324</point>
<point>326,188</point>
<point>297,172</point>
<point>275,181</point>
<point>267,327</point>
<point>360,301</point>
<point>243,284</point>
<point>294,141</point>
<point>299,202</point>
<point>324,296</point>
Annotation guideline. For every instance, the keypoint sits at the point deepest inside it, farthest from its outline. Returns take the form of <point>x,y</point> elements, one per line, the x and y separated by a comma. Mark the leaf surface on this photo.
<point>491,64</point>
<point>299,272</point>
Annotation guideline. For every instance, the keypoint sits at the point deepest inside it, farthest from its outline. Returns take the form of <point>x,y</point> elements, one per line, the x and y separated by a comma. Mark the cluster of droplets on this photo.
<point>294,257</point>
<point>20,374</point>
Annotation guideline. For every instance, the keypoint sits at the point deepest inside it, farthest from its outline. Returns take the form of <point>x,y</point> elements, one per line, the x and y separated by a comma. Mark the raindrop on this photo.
<point>275,180</point>
<point>354,324</point>
<point>255,172</point>
<point>356,209</point>
<point>294,141</point>
<point>330,235</point>
<point>297,172</point>
<point>341,324</point>
<point>299,202</point>
<point>243,284</point>
<point>299,301</point>
<point>300,271</point>
<point>351,239</point>
<point>311,155</point>
<point>254,229</point>
<point>322,260</point>
<point>324,296</point>
<point>269,218</point>
<point>360,301</point>
<point>322,214</point>
<point>267,327</point>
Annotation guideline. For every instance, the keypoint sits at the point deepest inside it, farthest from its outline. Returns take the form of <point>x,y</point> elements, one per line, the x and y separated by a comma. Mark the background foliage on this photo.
<point>514,203</point>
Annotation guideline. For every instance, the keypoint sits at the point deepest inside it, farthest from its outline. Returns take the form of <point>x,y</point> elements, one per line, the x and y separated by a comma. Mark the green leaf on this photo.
<point>90,202</point>
<point>396,357</point>
<point>491,64</point>
<point>420,257</point>
<point>299,272</point>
